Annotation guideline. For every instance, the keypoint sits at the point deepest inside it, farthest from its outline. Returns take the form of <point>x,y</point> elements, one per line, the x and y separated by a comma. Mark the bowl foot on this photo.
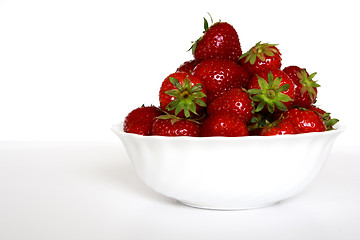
<point>226,207</point>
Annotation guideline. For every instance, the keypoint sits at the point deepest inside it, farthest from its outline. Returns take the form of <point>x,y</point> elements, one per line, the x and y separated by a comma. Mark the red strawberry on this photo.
<point>219,41</point>
<point>140,120</point>
<point>305,121</point>
<point>273,89</point>
<point>225,124</point>
<point>219,76</point>
<point>236,100</point>
<point>329,122</point>
<point>305,87</point>
<point>261,57</point>
<point>316,109</point>
<point>168,125</point>
<point>182,94</point>
<point>279,127</point>
<point>187,67</point>
<point>258,122</point>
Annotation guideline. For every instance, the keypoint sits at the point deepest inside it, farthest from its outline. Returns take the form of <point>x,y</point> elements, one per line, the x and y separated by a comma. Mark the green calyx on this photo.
<point>270,94</point>
<point>206,27</point>
<point>329,122</point>
<point>174,119</point>
<point>260,50</point>
<point>308,84</point>
<point>186,97</point>
<point>259,121</point>
<point>206,24</point>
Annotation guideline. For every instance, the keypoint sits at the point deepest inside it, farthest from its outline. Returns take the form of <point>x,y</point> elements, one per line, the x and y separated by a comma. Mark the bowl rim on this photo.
<point>118,129</point>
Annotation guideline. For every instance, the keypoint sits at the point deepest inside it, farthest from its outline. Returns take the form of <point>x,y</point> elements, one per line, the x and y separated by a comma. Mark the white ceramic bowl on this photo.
<point>228,173</point>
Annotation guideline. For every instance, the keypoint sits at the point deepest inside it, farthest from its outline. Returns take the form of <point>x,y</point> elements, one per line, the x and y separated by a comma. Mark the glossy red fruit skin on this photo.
<point>316,109</point>
<point>140,120</point>
<point>326,116</point>
<point>305,121</point>
<point>220,76</point>
<point>271,62</point>
<point>225,124</point>
<point>254,84</point>
<point>302,100</point>
<point>235,100</point>
<point>282,128</point>
<point>188,66</point>
<point>220,41</point>
<point>164,127</point>
<point>165,99</point>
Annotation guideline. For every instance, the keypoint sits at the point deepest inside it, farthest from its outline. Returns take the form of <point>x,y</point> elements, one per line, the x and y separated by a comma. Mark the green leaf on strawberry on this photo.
<point>308,84</point>
<point>185,97</point>
<point>173,119</point>
<point>270,94</point>
<point>206,27</point>
<point>260,50</point>
<point>329,122</point>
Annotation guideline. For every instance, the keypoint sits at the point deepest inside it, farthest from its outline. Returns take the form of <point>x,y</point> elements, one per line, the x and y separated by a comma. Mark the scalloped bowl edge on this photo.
<point>228,173</point>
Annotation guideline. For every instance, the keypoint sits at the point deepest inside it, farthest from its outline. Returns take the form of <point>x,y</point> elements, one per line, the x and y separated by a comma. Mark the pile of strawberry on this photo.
<point>223,92</point>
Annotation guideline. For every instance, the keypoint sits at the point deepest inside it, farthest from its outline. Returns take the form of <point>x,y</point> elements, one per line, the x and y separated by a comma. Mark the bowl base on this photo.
<point>226,208</point>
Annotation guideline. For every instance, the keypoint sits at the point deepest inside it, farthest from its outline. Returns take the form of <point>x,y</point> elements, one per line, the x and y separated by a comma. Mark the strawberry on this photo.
<point>273,89</point>
<point>140,120</point>
<point>227,124</point>
<point>187,67</point>
<point>305,121</point>
<point>219,76</point>
<point>182,94</point>
<point>258,122</point>
<point>236,100</point>
<point>316,109</point>
<point>261,57</point>
<point>326,116</point>
<point>305,86</point>
<point>219,41</point>
<point>169,125</point>
<point>279,127</point>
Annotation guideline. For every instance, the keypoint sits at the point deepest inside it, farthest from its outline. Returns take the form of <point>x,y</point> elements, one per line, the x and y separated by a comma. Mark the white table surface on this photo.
<point>90,191</point>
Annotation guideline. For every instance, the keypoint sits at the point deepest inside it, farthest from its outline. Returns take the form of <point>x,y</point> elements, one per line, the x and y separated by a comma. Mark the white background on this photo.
<point>70,69</point>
